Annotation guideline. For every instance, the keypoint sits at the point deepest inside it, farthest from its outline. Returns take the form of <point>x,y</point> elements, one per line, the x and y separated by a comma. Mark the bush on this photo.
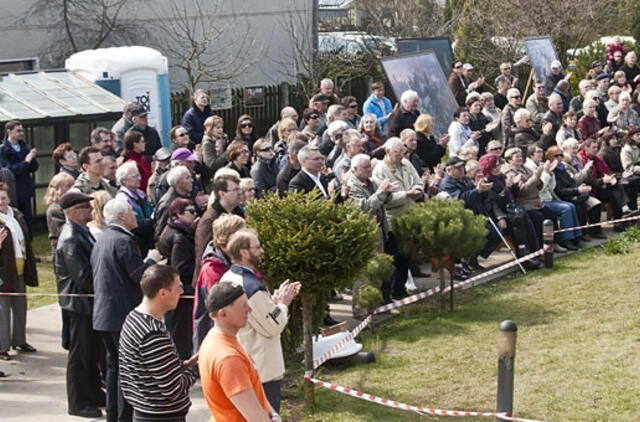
<point>320,244</point>
<point>619,246</point>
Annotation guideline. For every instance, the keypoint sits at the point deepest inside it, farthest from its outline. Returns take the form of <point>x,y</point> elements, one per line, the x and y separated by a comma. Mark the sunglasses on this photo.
<point>495,149</point>
<point>313,117</point>
<point>458,67</point>
<point>180,135</point>
<point>190,210</point>
<point>559,155</point>
<point>243,125</point>
<point>518,97</point>
<point>353,105</point>
<point>266,149</point>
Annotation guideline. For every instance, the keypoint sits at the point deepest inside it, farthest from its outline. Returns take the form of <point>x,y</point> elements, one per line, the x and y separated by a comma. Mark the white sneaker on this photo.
<point>559,249</point>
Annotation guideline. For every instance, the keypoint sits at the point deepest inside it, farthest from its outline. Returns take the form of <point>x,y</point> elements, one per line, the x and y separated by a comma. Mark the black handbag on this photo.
<point>514,211</point>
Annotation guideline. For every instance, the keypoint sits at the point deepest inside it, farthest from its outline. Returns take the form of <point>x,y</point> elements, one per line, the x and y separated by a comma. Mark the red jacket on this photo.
<point>143,167</point>
<point>599,169</point>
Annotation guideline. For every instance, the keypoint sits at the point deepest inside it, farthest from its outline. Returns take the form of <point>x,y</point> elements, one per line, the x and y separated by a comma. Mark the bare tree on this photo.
<point>206,46</point>
<point>401,18</point>
<point>76,25</point>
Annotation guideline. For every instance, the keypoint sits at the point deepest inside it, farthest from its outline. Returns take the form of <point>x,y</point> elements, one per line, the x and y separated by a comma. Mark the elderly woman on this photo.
<point>460,133</point>
<point>630,152</point>
<point>59,184</point>
<point>614,95</point>
<point>193,120</point>
<point>623,116</point>
<point>214,142</point>
<point>620,80</point>
<point>524,133</point>
<point>128,178</point>
<point>573,163</point>
<point>246,130</point>
<point>610,152</point>
<point>468,154</point>
<point>17,270</point>
<point>631,69</point>
<point>265,170</point>
<point>430,150</point>
<point>510,215</point>
<point>97,225</point>
<point>179,138</point>
<point>238,155</point>
<point>526,187</point>
<point>566,210</point>
<point>370,129</point>
<point>134,146</point>
<point>177,246</point>
<point>568,128</point>
<point>589,124</point>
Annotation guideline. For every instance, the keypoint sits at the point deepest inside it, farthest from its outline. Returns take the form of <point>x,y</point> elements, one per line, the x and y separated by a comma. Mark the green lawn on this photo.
<point>45,272</point>
<point>578,351</point>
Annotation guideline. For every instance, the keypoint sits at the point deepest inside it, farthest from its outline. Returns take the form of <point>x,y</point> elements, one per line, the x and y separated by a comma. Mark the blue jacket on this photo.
<point>193,121</point>
<point>14,161</point>
<point>117,271</point>
<point>371,106</point>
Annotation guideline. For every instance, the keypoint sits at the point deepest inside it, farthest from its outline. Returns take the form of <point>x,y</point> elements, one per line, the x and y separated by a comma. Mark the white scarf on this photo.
<point>19,245</point>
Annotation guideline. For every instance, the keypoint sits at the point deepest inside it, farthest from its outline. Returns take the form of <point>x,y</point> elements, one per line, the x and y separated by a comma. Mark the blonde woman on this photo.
<point>214,143</point>
<point>58,186</point>
<point>97,225</point>
<point>429,149</point>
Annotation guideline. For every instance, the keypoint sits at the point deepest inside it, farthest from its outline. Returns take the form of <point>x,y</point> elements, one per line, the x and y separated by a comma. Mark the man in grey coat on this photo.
<point>117,271</point>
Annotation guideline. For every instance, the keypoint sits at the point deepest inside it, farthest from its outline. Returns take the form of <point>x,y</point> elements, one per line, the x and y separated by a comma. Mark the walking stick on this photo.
<point>497,229</point>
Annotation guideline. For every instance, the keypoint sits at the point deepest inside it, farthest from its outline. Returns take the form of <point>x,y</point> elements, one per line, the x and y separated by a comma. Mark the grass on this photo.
<point>578,351</point>
<point>46,278</point>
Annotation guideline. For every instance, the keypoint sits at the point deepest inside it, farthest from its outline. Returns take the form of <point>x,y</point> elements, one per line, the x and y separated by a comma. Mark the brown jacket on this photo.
<point>8,270</point>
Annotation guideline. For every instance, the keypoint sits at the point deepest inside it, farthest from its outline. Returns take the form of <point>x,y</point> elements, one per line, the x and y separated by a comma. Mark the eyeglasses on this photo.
<point>179,135</point>
<point>266,149</point>
<point>458,66</point>
<point>506,68</point>
<point>495,149</point>
<point>243,125</point>
<point>313,117</point>
<point>559,155</point>
<point>190,210</point>
<point>353,105</point>
<point>517,97</point>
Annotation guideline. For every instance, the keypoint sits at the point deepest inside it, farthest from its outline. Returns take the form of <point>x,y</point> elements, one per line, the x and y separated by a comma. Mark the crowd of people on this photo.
<point>136,226</point>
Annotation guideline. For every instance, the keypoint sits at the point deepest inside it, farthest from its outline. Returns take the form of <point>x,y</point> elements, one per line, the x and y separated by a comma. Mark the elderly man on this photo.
<point>575,104</point>
<point>180,183</point>
<point>505,71</point>
<point>91,180</point>
<point>151,137</point>
<point>230,382</point>
<point>379,105</point>
<point>150,367</point>
<point>554,77</point>
<point>117,270</point>
<point>319,103</point>
<point>537,104</point>
<point>353,143</point>
<point>269,312</point>
<point>460,186</point>
<point>502,87</point>
<point>17,156</point>
<point>123,125</point>
<point>506,118</point>
<point>101,139</point>
<point>398,169</point>
<point>291,167</point>
<point>286,113</point>
<point>310,176</point>
<point>74,275</point>
<point>553,116</point>
<point>410,140</point>
<point>228,198</point>
<point>462,83</point>
<point>406,115</point>
<point>328,90</point>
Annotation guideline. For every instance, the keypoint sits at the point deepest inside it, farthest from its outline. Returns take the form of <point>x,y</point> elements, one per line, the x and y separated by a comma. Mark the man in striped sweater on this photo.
<point>154,380</point>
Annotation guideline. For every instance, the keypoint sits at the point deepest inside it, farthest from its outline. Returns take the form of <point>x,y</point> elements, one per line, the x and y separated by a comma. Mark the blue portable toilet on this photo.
<point>138,74</point>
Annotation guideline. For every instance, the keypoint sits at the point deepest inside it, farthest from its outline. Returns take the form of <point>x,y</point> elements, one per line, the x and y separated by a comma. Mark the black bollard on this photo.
<point>547,242</point>
<point>506,363</point>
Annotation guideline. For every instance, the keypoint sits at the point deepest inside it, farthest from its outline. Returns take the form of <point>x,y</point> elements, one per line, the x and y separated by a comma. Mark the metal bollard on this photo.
<point>506,362</point>
<point>547,242</point>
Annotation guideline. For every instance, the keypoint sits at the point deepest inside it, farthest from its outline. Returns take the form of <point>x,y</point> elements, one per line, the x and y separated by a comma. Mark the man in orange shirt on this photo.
<point>231,385</point>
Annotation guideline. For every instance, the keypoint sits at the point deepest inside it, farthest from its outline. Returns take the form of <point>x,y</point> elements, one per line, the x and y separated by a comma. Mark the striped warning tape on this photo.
<point>586,226</point>
<point>67,294</point>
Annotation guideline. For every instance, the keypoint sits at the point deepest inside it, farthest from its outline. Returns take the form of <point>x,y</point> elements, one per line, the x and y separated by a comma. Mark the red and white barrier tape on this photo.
<point>412,299</point>
<point>586,226</point>
<point>418,409</point>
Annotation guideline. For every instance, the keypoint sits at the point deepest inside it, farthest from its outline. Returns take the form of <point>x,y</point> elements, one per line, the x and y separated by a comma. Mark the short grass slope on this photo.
<point>578,351</point>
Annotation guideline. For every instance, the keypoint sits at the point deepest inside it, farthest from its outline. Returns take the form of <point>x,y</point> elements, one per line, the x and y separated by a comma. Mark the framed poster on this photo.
<point>253,96</point>
<point>421,72</point>
<point>442,47</point>
<point>541,53</point>
<point>220,96</point>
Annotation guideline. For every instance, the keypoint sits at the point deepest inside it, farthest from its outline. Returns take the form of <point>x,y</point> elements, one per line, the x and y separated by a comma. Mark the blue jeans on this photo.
<point>568,218</point>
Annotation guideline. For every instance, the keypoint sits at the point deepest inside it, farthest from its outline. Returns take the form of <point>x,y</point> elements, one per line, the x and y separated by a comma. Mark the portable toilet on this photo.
<point>138,74</point>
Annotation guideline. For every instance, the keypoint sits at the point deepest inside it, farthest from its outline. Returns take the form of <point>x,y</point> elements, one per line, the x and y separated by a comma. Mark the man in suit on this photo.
<point>117,271</point>
<point>310,175</point>
<point>74,275</point>
<point>16,156</point>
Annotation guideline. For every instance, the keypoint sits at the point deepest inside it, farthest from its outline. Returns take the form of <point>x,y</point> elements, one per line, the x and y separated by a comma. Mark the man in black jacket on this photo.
<point>74,275</point>
<point>151,137</point>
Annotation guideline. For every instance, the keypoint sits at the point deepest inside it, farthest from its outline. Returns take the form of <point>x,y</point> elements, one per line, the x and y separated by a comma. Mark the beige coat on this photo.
<point>407,176</point>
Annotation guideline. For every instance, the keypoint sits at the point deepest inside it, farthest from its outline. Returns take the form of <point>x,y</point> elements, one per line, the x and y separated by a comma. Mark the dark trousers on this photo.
<point>493,240</point>
<point>615,195</point>
<point>395,287</point>
<point>24,205</point>
<point>272,391</point>
<point>538,217</point>
<point>118,410</point>
<point>180,324</point>
<point>83,376</point>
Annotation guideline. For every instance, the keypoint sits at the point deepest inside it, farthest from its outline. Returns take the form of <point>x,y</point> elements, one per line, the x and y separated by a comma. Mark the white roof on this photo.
<point>115,61</point>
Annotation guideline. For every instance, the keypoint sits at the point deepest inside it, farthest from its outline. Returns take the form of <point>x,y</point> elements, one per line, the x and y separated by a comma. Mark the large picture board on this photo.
<point>421,72</point>
<point>441,46</point>
<point>541,53</point>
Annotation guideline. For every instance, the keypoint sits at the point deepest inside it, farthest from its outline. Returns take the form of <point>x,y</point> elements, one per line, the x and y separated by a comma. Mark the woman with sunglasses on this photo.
<point>179,138</point>
<point>246,130</point>
<point>238,155</point>
<point>177,246</point>
<point>351,106</point>
<point>265,170</point>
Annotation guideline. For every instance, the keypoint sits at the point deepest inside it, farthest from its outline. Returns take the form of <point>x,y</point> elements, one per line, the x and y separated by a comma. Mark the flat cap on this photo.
<point>455,162</point>
<point>162,154</point>
<point>140,111</point>
<point>223,294</point>
<point>72,198</point>
<point>602,76</point>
